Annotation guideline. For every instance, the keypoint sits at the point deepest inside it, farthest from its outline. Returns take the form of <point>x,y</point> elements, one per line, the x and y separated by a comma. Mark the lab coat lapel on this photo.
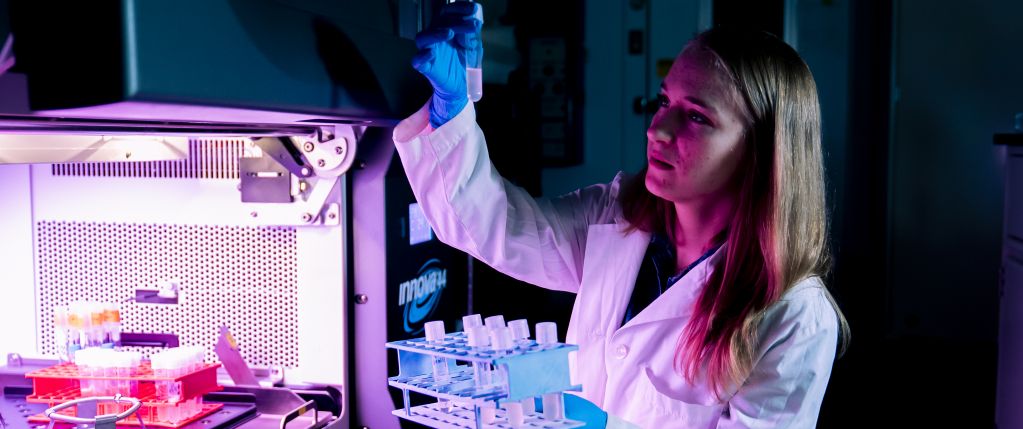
<point>677,302</point>
<point>615,260</point>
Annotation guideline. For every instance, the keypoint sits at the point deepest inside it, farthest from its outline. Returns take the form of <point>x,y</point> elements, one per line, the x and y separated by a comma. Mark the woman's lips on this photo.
<point>659,163</point>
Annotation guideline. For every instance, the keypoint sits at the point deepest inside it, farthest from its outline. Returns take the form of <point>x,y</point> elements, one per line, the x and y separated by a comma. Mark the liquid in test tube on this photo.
<point>474,59</point>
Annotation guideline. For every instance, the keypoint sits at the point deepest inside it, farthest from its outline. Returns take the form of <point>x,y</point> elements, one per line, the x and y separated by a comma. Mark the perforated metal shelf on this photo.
<point>239,276</point>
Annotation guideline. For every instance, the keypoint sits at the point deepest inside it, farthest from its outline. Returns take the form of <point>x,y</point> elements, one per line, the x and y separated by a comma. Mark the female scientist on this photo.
<point>699,298</point>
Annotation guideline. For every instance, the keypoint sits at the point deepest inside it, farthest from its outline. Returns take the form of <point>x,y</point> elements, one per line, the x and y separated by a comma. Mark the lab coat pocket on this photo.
<point>685,407</point>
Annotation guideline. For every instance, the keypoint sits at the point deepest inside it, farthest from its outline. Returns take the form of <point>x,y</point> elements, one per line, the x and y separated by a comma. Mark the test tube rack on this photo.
<point>532,369</point>
<point>62,382</point>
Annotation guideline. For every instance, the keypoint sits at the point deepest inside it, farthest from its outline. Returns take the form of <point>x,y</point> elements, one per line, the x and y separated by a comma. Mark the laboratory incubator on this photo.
<point>201,204</point>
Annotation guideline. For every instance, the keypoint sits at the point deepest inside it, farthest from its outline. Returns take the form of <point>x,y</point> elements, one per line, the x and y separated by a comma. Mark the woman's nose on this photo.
<point>660,130</point>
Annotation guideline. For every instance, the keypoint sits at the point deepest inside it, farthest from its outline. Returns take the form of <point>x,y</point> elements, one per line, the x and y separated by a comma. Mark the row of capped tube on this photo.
<point>502,338</point>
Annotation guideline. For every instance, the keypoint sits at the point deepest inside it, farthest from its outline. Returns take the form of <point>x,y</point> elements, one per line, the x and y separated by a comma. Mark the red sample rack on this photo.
<point>61,383</point>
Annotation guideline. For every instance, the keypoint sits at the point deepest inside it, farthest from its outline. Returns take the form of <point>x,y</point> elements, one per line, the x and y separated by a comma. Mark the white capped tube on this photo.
<point>519,329</point>
<point>478,338</point>
<point>516,418</point>
<point>435,334</point>
<point>470,321</point>
<point>488,413</point>
<point>554,406</point>
<point>553,403</point>
<point>434,331</point>
<point>529,406</point>
<point>501,338</point>
<point>546,333</point>
<point>501,341</point>
<point>494,322</point>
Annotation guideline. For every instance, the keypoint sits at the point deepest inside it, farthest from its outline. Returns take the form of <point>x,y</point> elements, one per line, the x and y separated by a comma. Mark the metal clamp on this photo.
<point>298,412</point>
<point>105,421</point>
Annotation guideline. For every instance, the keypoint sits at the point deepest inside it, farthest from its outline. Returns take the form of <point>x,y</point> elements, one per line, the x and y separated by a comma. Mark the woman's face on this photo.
<point>695,141</point>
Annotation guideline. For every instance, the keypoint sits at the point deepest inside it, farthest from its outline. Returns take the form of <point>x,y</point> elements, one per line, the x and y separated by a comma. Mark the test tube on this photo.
<point>488,413</point>
<point>547,334</point>
<point>97,329</point>
<point>112,324</point>
<point>60,332</point>
<point>124,361</point>
<point>473,59</point>
<point>76,329</point>
<point>84,364</point>
<point>134,363</point>
<point>178,364</point>
<point>494,322</point>
<point>502,342</point>
<point>160,368</point>
<point>553,403</point>
<point>435,334</point>
<point>514,411</point>
<point>478,339</point>
<point>108,368</point>
<point>520,331</point>
<point>470,321</point>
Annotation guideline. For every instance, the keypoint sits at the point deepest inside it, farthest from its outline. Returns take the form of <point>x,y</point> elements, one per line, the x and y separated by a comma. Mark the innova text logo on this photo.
<point>421,295</point>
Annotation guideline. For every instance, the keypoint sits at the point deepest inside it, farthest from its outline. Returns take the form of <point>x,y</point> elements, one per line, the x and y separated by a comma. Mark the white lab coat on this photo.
<point>576,243</point>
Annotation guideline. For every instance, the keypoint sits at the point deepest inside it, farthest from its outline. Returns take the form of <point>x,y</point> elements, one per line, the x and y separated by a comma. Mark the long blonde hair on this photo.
<point>778,235</point>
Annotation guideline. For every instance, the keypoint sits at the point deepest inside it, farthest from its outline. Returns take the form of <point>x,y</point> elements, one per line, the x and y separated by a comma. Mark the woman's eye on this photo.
<point>662,100</point>
<point>698,118</point>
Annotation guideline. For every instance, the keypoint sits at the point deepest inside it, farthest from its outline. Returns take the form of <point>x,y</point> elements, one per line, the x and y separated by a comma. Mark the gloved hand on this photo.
<point>443,50</point>
<point>578,408</point>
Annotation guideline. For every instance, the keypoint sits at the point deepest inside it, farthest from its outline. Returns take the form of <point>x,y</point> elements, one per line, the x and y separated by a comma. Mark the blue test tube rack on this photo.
<point>532,369</point>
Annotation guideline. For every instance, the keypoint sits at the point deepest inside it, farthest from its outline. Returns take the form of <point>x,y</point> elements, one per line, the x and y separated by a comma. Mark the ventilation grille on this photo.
<point>241,277</point>
<point>207,159</point>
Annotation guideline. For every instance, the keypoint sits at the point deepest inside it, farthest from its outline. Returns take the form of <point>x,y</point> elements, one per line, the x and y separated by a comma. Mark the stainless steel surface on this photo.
<point>280,407</point>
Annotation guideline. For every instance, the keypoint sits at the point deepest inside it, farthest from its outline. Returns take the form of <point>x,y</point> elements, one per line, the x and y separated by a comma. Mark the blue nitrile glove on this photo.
<point>443,48</point>
<point>579,409</point>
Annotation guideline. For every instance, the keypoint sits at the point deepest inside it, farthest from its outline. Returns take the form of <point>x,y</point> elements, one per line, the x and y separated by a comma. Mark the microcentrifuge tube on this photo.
<point>435,334</point>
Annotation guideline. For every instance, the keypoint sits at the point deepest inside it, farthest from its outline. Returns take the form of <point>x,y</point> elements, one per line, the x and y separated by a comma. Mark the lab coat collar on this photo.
<point>678,301</point>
